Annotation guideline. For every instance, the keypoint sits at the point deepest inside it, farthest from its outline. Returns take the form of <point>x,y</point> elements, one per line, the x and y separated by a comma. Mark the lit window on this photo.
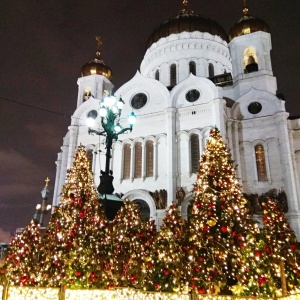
<point>149,158</point>
<point>173,75</point>
<point>157,75</point>
<point>192,67</point>
<point>126,163</point>
<point>138,160</point>
<point>211,70</point>
<point>195,152</point>
<point>250,60</point>
<point>90,157</point>
<point>260,163</point>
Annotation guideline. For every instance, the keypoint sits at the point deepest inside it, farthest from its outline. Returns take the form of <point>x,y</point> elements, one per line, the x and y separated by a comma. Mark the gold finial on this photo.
<point>47,181</point>
<point>185,4</point>
<point>185,7</point>
<point>245,8</point>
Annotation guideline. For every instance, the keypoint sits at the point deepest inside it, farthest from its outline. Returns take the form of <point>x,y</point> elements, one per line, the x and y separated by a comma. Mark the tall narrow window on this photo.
<point>157,75</point>
<point>211,70</point>
<point>260,163</point>
<point>126,162</point>
<point>90,157</point>
<point>138,160</point>
<point>149,158</point>
<point>192,67</point>
<point>173,75</point>
<point>195,153</point>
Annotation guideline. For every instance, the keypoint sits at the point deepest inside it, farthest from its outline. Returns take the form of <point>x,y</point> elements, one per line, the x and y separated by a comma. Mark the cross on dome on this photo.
<point>47,181</point>
<point>245,8</point>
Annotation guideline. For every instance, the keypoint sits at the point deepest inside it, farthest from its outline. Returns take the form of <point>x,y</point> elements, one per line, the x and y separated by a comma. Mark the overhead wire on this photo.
<point>35,107</point>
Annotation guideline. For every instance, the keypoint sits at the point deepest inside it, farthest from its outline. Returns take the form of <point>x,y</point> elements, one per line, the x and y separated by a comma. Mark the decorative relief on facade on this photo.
<point>256,200</point>
<point>160,198</point>
<point>180,194</point>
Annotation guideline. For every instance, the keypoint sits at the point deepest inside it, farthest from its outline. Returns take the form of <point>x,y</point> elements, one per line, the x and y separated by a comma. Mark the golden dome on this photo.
<point>186,21</point>
<point>96,66</point>
<point>247,24</point>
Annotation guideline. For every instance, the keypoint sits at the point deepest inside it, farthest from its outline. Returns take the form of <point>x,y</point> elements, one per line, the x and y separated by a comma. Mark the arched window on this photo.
<point>143,208</point>
<point>126,162</point>
<point>90,157</point>
<point>149,158</point>
<point>173,75</point>
<point>211,70</point>
<point>250,61</point>
<point>157,75</point>
<point>192,65</point>
<point>138,160</point>
<point>260,163</point>
<point>195,152</point>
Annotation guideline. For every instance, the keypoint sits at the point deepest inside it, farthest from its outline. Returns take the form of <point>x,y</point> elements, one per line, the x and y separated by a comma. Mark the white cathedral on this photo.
<point>193,77</point>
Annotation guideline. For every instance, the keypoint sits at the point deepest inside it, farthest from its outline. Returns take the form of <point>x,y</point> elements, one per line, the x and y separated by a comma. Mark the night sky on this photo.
<point>43,45</point>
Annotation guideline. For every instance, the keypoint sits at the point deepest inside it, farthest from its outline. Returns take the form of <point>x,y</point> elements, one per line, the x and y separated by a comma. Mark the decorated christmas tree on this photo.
<point>128,242</point>
<point>222,233</point>
<point>281,246</point>
<point>74,245</point>
<point>164,270</point>
<point>22,257</point>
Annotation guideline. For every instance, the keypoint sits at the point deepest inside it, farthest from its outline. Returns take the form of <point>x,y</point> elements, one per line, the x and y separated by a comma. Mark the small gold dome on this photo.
<point>96,66</point>
<point>247,24</point>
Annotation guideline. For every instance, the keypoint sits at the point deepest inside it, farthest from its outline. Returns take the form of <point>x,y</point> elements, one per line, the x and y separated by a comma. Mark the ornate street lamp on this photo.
<point>109,111</point>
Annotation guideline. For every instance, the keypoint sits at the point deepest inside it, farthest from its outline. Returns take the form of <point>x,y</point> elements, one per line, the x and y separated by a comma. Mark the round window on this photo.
<point>139,100</point>
<point>192,95</point>
<point>254,108</point>
<point>92,114</point>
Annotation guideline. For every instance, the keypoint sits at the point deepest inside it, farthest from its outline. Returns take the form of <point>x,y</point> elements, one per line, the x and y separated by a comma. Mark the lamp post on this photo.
<point>110,112</point>
<point>42,209</point>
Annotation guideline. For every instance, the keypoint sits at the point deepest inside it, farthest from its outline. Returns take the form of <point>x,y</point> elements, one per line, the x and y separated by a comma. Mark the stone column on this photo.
<point>73,131</point>
<point>171,154</point>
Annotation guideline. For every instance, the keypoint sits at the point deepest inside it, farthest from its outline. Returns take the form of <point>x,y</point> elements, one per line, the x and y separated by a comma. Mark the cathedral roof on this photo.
<point>97,65</point>
<point>186,21</point>
<point>247,24</point>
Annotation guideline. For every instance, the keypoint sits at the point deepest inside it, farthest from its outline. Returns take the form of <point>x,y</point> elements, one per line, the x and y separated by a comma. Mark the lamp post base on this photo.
<point>106,184</point>
<point>111,203</point>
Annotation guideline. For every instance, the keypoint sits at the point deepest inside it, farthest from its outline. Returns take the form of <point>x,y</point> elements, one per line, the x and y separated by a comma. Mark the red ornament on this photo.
<point>282,235</point>
<point>156,286</point>
<point>78,273</point>
<point>111,287</point>
<point>72,233</point>
<point>293,246</point>
<point>82,214</point>
<point>224,229</point>
<point>201,259</point>
<point>92,275</point>
<point>23,279</point>
<point>166,272</point>
<point>201,291</point>
<point>258,253</point>
<point>2,271</point>
<point>268,250</point>
<point>132,278</point>
<point>261,280</point>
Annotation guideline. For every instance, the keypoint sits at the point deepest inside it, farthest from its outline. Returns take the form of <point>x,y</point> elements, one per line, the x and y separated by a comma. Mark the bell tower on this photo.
<point>95,78</point>
<point>250,47</point>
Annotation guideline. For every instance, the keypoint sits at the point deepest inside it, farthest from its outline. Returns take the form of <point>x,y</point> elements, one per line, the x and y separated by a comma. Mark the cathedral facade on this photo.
<point>193,77</point>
